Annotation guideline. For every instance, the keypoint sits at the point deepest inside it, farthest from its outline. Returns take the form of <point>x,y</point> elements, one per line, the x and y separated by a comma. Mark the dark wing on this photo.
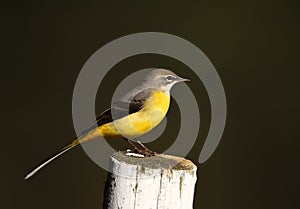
<point>120,109</point>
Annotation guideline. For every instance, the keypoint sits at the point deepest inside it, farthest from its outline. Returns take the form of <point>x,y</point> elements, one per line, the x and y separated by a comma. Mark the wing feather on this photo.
<point>121,109</point>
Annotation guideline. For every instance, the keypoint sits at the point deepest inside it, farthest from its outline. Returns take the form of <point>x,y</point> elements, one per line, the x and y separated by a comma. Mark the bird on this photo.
<point>139,111</point>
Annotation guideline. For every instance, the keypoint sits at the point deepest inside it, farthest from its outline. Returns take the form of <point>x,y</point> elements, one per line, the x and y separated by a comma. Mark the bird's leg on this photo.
<point>132,145</point>
<point>142,145</point>
<point>147,151</point>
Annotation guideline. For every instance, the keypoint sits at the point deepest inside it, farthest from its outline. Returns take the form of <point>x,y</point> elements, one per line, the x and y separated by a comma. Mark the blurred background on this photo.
<point>254,45</point>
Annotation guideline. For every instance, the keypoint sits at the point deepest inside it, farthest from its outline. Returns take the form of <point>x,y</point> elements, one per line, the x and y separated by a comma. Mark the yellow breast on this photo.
<point>134,125</point>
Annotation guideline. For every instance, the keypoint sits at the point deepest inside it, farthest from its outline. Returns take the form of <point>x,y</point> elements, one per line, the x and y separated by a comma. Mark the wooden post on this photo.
<point>161,181</point>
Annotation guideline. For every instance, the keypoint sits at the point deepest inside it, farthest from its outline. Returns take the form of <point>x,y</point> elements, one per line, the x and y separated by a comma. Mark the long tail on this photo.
<point>50,159</point>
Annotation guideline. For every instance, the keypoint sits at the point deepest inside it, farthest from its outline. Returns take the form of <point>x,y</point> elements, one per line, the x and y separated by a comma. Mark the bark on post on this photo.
<point>161,181</point>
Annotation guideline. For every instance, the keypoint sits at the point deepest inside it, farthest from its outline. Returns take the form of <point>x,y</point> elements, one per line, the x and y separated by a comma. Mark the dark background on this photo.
<point>253,45</point>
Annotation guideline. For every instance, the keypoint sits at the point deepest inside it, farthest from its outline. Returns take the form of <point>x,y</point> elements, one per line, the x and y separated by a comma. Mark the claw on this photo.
<point>146,151</point>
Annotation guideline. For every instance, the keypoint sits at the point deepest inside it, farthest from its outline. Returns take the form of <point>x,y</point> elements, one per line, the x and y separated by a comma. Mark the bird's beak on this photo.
<point>182,79</point>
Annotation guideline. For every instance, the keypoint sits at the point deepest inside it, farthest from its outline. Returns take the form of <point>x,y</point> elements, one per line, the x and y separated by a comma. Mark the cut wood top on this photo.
<point>160,161</point>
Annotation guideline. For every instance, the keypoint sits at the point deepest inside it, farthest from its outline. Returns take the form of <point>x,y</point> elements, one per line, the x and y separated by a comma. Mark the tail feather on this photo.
<point>46,162</point>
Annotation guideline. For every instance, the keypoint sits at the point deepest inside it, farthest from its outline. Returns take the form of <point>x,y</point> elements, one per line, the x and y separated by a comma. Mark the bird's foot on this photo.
<point>145,151</point>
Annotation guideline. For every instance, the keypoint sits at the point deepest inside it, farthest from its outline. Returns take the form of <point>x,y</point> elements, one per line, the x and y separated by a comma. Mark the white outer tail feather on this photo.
<point>34,171</point>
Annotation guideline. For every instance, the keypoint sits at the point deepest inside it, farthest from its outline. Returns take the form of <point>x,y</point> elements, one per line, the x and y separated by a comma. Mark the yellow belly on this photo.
<point>141,122</point>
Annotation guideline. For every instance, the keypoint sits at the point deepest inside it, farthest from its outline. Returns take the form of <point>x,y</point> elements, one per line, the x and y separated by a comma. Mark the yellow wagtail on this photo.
<point>135,114</point>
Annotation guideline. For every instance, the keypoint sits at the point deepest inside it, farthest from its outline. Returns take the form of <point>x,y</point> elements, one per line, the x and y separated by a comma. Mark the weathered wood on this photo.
<point>161,181</point>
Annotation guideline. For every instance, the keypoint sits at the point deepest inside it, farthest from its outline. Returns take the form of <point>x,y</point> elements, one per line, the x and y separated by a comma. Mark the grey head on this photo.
<point>162,79</point>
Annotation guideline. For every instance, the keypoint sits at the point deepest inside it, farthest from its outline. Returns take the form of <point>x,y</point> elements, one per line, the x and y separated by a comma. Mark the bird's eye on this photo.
<point>170,78</point>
